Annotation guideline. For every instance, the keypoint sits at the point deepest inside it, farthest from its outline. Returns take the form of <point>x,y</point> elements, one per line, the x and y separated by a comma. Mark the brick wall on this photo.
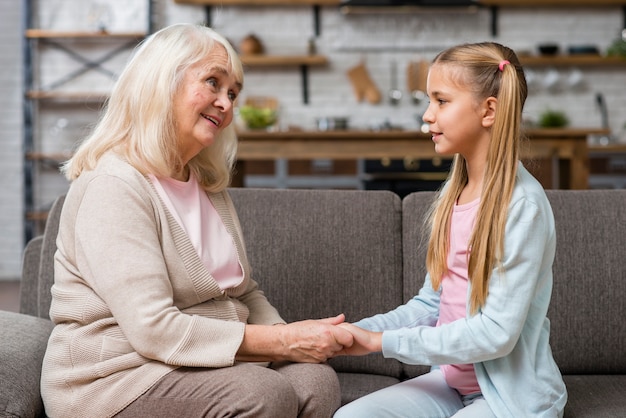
<point>346,40</point>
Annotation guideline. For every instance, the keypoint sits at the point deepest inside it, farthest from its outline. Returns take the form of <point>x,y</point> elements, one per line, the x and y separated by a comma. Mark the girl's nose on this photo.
<point>428,116</point>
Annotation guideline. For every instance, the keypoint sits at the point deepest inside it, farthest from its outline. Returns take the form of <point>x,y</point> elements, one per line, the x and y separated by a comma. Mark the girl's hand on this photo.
<point>365,342</point>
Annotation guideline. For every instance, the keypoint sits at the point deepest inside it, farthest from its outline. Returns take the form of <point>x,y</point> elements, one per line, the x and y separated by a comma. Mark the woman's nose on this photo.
<point>223,101</point>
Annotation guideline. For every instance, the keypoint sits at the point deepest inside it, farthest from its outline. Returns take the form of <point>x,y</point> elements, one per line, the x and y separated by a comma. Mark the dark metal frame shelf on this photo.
<point>33,39</point>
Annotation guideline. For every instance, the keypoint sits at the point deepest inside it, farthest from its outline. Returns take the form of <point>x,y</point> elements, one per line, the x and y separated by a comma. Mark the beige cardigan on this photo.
<point>131,299</point>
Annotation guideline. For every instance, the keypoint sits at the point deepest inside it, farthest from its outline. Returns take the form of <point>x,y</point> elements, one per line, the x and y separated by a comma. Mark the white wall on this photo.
<point>10,140</point>
<point>345,39</point>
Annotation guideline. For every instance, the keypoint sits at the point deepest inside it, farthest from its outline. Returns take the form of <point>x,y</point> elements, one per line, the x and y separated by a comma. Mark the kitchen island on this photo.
<point>566,149</point>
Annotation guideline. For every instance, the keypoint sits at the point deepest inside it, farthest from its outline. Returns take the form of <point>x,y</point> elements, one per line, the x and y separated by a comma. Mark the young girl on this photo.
<point>480,318</point>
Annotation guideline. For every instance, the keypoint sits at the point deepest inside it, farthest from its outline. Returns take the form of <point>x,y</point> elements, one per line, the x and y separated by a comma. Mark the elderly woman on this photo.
<point>155,310</point>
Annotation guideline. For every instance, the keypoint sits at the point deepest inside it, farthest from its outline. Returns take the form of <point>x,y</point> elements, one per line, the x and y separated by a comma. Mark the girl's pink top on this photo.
<point>454,294</point>
<point>194,212</point>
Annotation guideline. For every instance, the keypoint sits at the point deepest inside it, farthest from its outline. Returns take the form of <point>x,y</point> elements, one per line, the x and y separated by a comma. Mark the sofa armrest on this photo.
<point>23,342</point>
<point>29,303</point>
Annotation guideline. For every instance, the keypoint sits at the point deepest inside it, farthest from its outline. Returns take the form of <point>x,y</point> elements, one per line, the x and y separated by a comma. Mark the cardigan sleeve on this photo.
<point>119,254</point>
<point>495,329</point>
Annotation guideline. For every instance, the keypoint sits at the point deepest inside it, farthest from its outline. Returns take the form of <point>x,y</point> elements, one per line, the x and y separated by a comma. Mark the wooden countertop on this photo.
<point>554,144</point>
<point>356,134</point>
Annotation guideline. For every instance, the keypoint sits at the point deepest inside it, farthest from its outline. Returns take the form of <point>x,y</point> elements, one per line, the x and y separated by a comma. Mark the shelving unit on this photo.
<point>495,5</point>
<point>40,96</point>
<point>573,60</point>
<point>303,62</point>
<point>263,61</point>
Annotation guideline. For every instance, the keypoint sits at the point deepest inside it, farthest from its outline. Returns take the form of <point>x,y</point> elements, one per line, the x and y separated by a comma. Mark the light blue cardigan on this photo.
<point>508,340</point>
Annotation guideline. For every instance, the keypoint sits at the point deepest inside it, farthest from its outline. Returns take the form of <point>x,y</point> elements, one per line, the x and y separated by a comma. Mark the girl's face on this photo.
<point>456,117</point>
<point>203,105</point>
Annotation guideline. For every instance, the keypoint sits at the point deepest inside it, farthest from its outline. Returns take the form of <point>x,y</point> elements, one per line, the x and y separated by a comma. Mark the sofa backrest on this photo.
<point>588,306</point>
<point>318,253</point>
<point>345,250</point>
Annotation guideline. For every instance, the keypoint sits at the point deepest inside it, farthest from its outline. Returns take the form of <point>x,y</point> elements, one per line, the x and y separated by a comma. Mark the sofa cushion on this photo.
<point>24,339</point>
<point>588,331</point>
<point>318,253</point>
<point>593,396</point>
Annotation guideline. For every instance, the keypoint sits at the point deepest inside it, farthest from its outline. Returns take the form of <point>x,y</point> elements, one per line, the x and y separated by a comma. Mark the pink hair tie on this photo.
<point>502,64</point>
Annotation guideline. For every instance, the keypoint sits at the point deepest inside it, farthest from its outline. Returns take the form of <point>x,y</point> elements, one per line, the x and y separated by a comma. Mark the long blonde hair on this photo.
<point>480,69</point>
<point>137,121</point>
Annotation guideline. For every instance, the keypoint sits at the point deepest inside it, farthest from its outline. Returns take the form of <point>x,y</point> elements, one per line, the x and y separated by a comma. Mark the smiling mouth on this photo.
<point>211,119</point>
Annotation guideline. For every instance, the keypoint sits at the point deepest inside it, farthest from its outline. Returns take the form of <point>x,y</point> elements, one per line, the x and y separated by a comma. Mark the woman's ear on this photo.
<point>489,111</point>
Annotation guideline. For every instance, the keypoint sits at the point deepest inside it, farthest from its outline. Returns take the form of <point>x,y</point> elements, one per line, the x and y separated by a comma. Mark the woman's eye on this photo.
<point>212,82</point>
<point>232,96</point>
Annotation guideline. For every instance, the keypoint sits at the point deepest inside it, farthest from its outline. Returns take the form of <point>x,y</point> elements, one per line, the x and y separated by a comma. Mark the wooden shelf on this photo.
<point>57,157</point>
<point>303,62</point>
<point>41,215</point>
<point>67,96</point>
<point>552,3</point>
<point>507,3</point>
<point>283,60</point>
<point>261,2</point>
<point>593,60</point>
<point>52,34</point>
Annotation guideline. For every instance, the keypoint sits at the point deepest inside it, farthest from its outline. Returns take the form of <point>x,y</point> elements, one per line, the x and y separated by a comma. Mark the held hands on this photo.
<point>364,341</point>
<point>309,341</point>
<point>314,341</point>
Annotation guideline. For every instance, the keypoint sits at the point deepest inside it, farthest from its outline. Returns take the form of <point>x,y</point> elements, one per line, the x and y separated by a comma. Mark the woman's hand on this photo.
<point>364,341</point>
<point>314,341</point>
<point>309,341</point>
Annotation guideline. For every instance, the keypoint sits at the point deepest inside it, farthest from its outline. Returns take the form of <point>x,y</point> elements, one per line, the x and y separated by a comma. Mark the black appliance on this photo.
<point>404,176</point>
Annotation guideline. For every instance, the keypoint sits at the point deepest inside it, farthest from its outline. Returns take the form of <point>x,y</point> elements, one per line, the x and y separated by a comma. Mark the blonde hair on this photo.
<point>479,70</point>
<point>137,121</point>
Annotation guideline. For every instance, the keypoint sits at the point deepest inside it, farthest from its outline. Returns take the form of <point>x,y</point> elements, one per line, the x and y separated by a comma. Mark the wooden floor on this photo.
<point>9,295</point>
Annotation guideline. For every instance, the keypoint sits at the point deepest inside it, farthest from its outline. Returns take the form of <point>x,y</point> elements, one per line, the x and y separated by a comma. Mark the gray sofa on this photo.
<point>318,253</point>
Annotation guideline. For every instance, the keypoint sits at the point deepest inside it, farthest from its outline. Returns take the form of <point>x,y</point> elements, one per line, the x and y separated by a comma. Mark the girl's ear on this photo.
<point>489,111</point>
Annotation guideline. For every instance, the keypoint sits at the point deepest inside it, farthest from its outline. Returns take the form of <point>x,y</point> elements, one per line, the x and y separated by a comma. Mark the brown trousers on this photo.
<point>283,390</point>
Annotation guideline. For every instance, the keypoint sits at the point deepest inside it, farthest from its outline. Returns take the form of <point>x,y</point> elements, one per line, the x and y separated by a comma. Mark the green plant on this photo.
<point>258,117</point>
<point>553,119</point>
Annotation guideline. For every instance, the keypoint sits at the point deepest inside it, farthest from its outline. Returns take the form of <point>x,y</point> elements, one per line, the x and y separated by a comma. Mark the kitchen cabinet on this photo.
<point>48,93</point>
<point>607,166</point>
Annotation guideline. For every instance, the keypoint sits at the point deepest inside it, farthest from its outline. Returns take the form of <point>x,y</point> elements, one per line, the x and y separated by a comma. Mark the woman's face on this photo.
<point>203,105</point>
<point>454,114</point>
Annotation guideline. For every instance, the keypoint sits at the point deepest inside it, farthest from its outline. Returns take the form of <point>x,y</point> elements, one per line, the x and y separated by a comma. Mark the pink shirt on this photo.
<point>453,305</point>
<point>194,212</point>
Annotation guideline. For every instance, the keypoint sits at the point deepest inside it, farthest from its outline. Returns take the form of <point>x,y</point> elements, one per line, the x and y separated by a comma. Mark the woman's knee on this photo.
<point>316,386</point>
<point>268,394</point>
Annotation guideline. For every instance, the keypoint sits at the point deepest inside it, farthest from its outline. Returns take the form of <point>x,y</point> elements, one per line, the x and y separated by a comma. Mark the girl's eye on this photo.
<point>441,101</point>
